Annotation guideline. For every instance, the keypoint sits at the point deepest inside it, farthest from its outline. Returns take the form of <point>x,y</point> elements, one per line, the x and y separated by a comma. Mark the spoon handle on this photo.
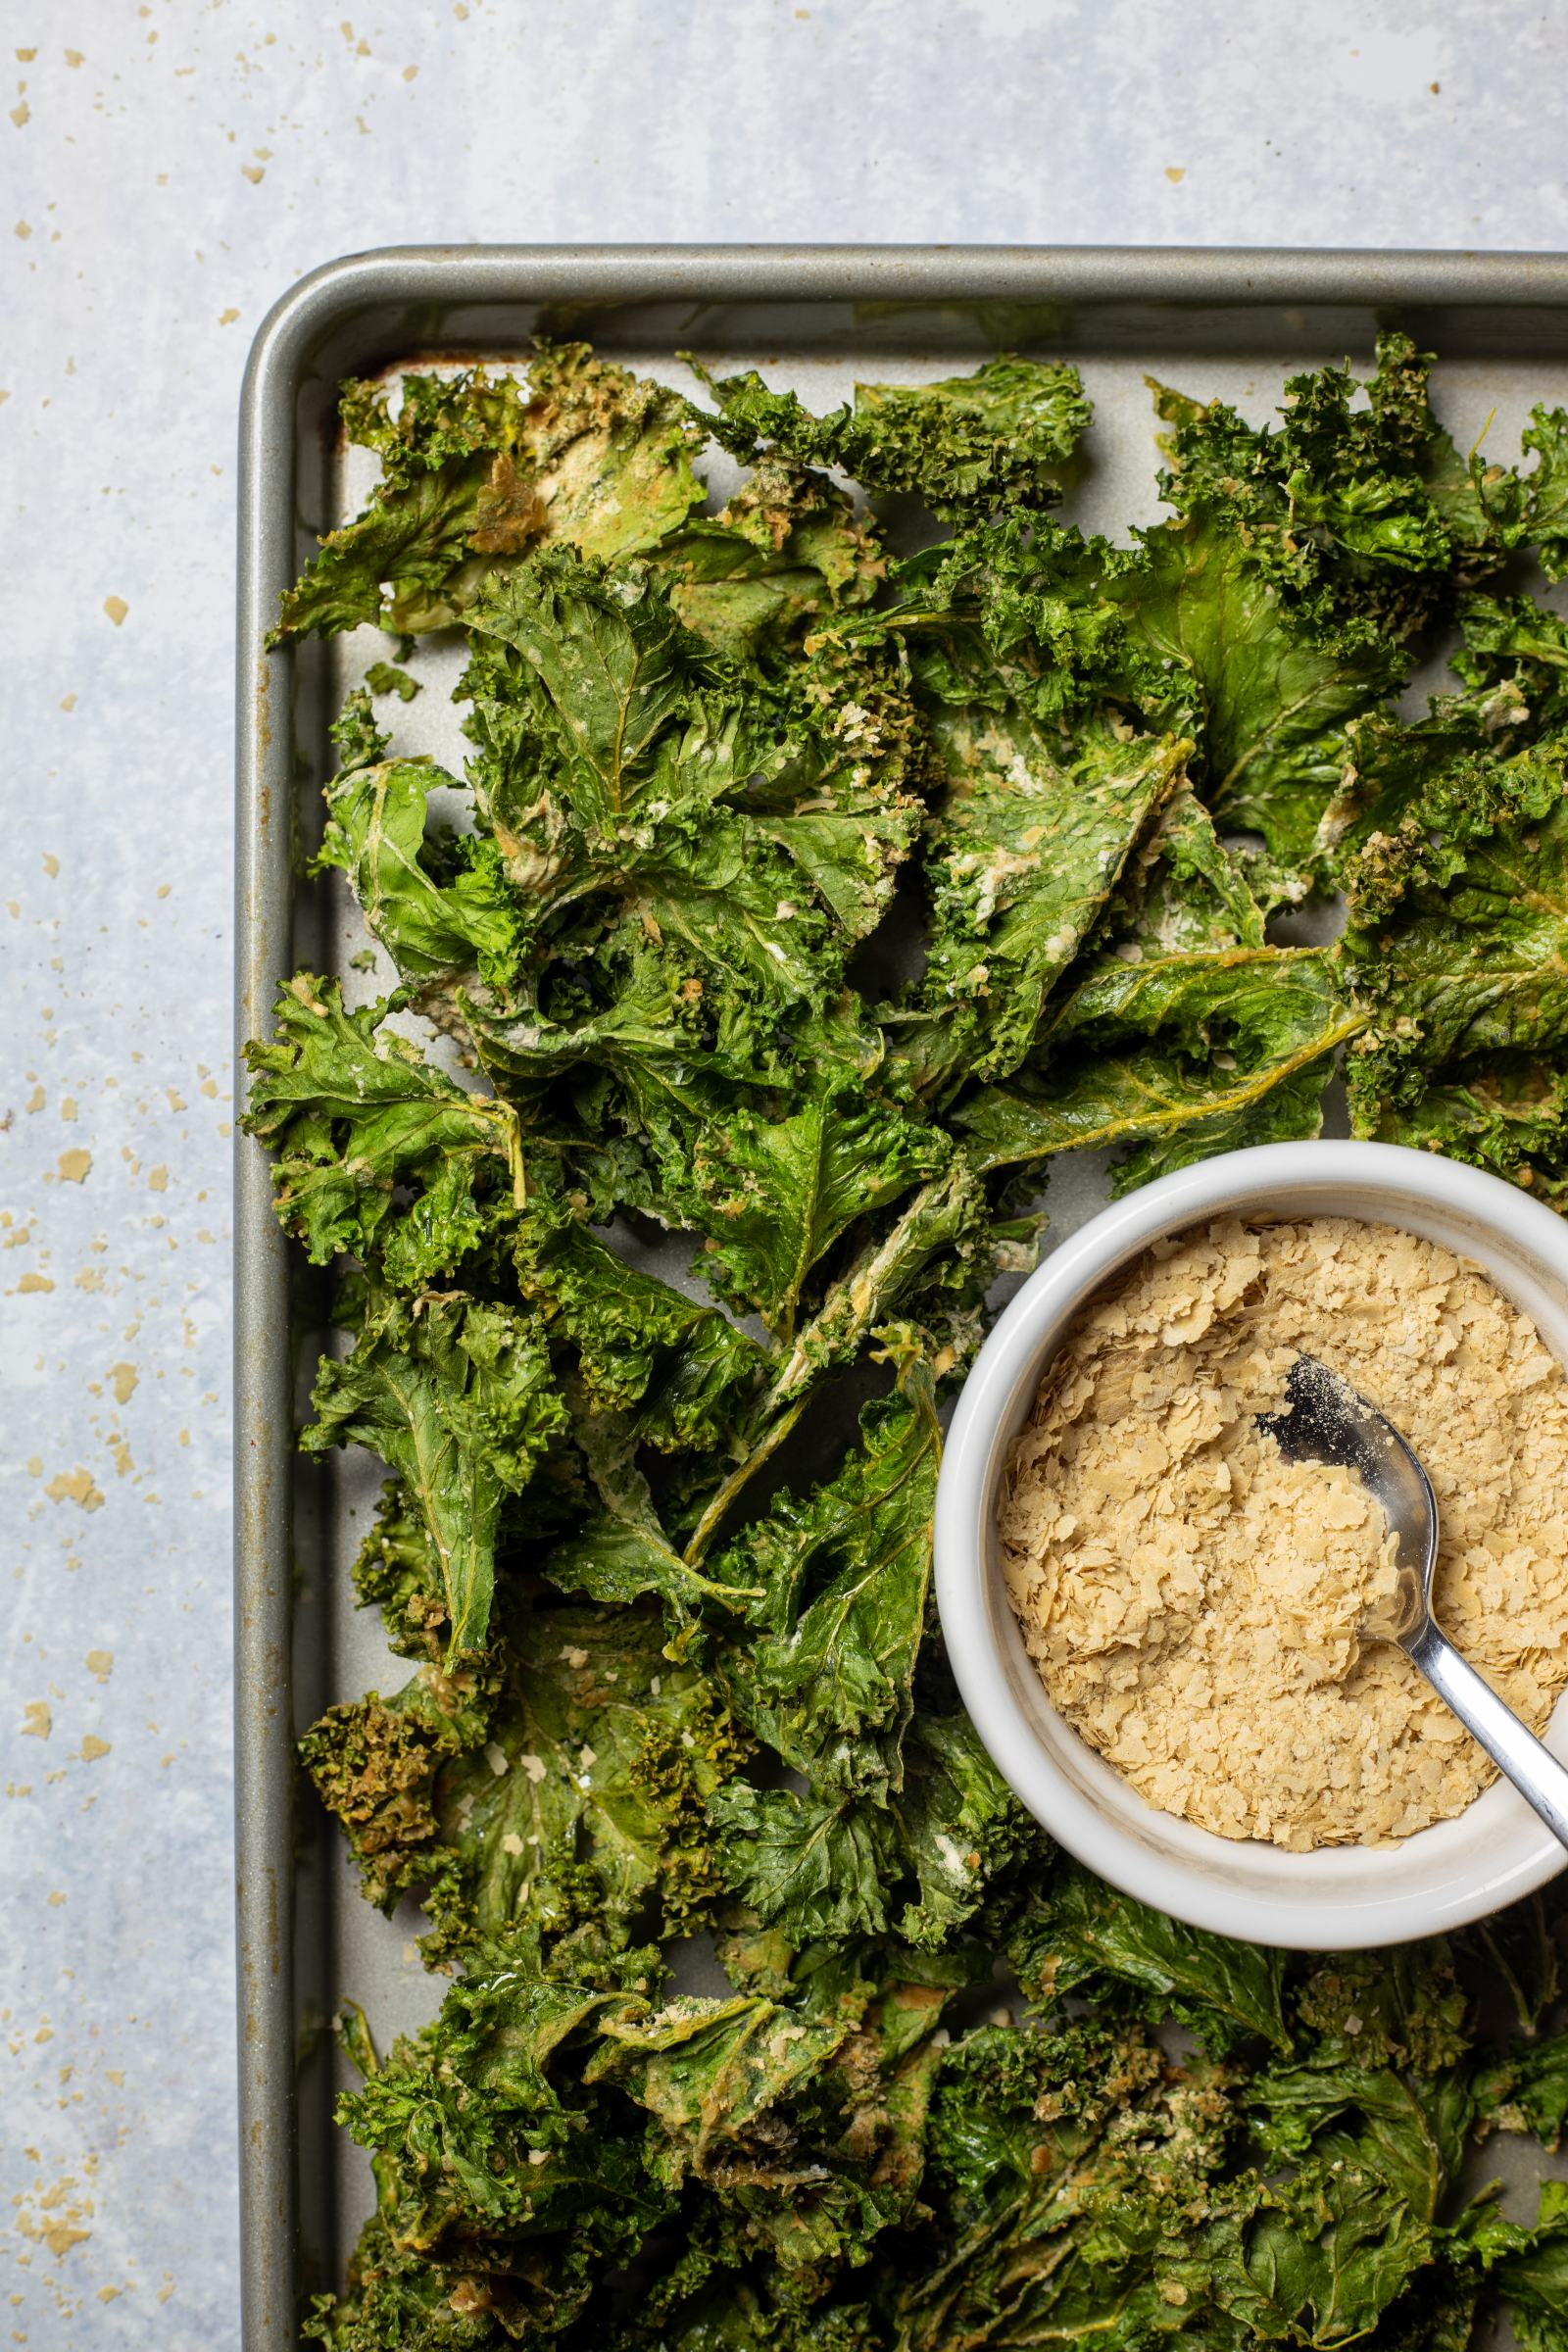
<point>1515,1750</point>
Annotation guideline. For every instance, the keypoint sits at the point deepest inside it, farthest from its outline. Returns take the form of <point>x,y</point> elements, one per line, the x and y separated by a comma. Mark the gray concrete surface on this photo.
<point>166,170</point>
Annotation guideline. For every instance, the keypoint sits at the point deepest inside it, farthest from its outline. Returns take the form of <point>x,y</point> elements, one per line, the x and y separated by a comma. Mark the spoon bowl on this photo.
<point>1326,1420</point>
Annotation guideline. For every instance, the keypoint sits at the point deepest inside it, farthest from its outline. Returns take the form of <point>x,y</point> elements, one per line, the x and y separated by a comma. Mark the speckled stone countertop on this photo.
<point>169,169</point>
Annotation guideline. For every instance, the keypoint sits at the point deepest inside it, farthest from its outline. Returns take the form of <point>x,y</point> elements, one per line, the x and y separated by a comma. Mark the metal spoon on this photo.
<point>1326,1421</point>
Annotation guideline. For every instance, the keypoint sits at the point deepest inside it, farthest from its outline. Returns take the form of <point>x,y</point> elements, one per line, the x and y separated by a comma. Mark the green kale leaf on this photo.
<point>772,1196</point>
<point>638,1341</point>
<point>1273,702</point>
<point>632,774</point>
<point>621,1549</point>
<point>1512,641</point>
<point>1076,2177</point>
<point>1334,2245</point>
<point>845,1579</point>
<point>1454,947</point>
<point>490,2153</point>
<point>1357,513</point>
<point>1182,890</point>
<point>398,1571</point>
<point>1022,859</point>
<point>712,2075</point>
<point>375,1764</point>
<point>959,1828</point>
<point>385,677</point>
<point>1082,1933</point>
<point>812,1866</point>
<point>439,905</point>
<point>457,1398</point>
<point>786,552</point>
<point>1529,2269</point>
<point>1006,432</point>
<point>587,1798</point>
<point>1176,1056</point>
<point>924,1271</point>
<point>1546,489</point>
<point>476,471</point>
<point>356,1116</point>
<point>1507,1113</point>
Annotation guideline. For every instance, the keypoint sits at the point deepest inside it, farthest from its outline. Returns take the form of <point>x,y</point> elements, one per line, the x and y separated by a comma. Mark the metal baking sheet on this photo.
<point>1232,324</point>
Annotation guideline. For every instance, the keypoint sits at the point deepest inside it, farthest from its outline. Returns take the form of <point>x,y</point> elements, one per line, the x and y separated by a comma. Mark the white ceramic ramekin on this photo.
<point>1343,1896</point>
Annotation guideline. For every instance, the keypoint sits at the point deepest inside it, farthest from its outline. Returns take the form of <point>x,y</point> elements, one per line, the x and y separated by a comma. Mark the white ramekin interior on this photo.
<point>1343,1896</point>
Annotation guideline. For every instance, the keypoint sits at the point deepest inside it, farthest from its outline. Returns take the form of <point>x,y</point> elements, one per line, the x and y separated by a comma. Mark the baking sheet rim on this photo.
<point>419,279</point>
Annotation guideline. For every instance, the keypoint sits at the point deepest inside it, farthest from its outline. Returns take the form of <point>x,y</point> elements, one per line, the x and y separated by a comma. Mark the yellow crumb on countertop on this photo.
<point>1193,1601</point>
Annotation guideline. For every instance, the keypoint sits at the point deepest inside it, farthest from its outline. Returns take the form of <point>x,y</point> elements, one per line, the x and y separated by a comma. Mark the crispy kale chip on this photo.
<point>1454,941</point>
<point>774,1194</point>
<point>786,552</point>
<point>673,1363</point>
<point>1022,859</point>
<point>1359,513</point>
<point>495,2164</point>
<point>555,1791</point>
<point>1184,889</point>
<point>843,1579</point>
<point>377,1762</point>
<point>587,1805</point>
<point>396,1569</point>
<point>798,904</point>
<point>440,903</point>
<point>1512,642</point>
<point>375,1150</point>
<point>1008,433</point>
<point>1080,1935</point>
<point>1273,700</point>
<point>1183,634</point>
<point>455,1397</point>
<point>913,1289</point>
<point>699,849</point>
<point>903,1819</point>
<point>1545,490</point>
<point>1172,1058</point>
<point>476,471</point>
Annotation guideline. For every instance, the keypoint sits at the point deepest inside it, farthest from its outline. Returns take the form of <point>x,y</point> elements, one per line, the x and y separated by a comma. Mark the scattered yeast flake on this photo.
<point>75,1486</point>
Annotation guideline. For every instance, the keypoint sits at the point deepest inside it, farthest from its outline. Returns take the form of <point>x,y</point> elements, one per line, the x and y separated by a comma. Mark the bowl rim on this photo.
<point>1245,1888</point>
